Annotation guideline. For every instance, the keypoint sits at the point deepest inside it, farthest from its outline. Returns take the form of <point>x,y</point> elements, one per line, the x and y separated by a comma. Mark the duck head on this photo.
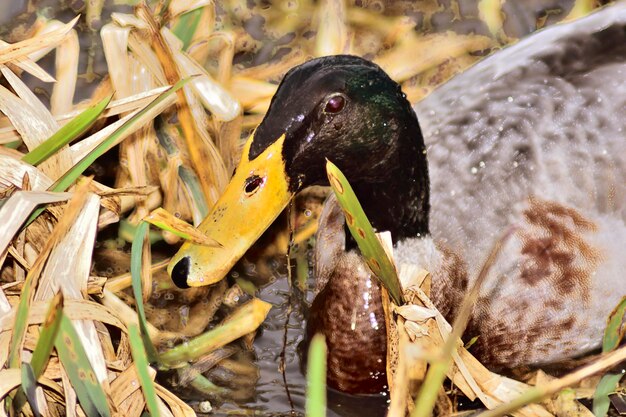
<point>342,108</point>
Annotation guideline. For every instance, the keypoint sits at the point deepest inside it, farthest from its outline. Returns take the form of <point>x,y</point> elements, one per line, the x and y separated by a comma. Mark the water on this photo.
<point>271,397</point>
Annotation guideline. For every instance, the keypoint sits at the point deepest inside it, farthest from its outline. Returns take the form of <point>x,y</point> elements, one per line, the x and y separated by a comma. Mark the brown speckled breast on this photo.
<point>349,313</point>
<point>347,310</point>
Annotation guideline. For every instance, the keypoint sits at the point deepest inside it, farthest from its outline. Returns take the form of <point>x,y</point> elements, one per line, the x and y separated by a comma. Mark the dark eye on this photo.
<point>335,104</point>
<point>253,183</point>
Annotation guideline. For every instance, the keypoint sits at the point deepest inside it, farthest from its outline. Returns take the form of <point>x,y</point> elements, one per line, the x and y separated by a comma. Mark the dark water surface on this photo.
<point>271,394</point>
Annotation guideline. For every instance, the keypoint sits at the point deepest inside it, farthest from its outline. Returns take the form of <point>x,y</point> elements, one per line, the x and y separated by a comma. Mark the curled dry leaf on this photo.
<point>213,96</point>
<point>415,313</point>
<point>42,42</point>
<point>178,7</point>
<point>18,208</point>
<point>28,65</point>
<point>173,224</point>
<point>414,330</point>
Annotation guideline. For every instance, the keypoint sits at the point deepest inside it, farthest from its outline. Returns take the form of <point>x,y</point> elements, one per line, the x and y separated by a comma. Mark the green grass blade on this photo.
<point>21,321</point>
<point>136,251</point>
<point>205,386</point>
<point>82,377</point>
<point>72,175</point>
<point>29,390</point>
<point>138,351</point>
<point>31,372</point>
<point>48,335</point>
<point>613,335</point>
<point>192,184</point>
<point>605,387</point>
<point>186,26</point>
<point>316,378</point>
<point>302,266</point>
<point>127,232</point>
<point>67,133</point>
<point>241,322</point>
<point>614,332</point>
<point>363,233</point>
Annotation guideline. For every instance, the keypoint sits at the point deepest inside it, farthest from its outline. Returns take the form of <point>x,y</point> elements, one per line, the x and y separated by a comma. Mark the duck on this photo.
<point>531,136</point>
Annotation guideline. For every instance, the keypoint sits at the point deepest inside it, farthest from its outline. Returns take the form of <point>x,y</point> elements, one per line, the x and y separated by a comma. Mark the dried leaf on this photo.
<point>166,221</point>
<point>47,39</point>
<point>415,313</point>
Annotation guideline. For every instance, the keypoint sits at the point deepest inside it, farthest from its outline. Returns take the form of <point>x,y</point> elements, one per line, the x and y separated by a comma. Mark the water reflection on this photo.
<point>272,398</point>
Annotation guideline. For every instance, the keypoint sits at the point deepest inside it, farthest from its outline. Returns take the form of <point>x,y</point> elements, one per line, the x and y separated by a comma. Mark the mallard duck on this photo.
<point>532,136</point>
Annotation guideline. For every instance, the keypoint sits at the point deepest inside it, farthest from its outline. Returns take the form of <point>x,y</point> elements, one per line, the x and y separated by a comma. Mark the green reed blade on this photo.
<point>67,133</point>
<point>74,359</point>
<point>47,336</point>
<point>72,175</point>
<point>138,352</point>
<point>606,387</point>
<point>29,391</point>
<point>136,252</point>
<point>316,378</point>
<point>614,332</point>
<point>187,25</point>
<point>241,322</point>
<point>363,233</point>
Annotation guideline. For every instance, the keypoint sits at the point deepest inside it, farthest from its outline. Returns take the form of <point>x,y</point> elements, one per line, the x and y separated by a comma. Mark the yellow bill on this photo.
<point>255,196</point>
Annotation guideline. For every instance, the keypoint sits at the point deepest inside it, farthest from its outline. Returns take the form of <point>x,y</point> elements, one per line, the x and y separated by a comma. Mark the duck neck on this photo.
<point>399,199</point>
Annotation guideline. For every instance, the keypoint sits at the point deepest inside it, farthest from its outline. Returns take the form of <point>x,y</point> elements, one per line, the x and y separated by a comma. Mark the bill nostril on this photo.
<point>180,272</point>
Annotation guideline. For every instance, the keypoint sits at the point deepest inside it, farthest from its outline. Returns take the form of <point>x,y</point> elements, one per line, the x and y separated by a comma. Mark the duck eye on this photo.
<point>253,183</point>
<point>335,104</point>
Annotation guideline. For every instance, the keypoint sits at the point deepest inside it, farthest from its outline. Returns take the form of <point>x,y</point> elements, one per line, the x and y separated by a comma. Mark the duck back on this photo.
<point>534,137</point>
